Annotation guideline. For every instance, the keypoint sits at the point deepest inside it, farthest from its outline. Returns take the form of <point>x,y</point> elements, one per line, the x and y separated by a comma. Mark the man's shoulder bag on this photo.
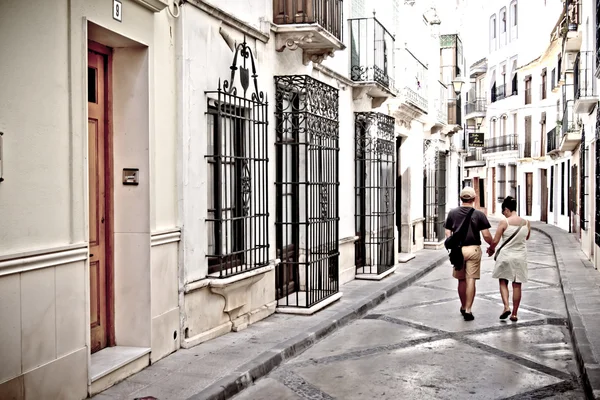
<point>454,242</point>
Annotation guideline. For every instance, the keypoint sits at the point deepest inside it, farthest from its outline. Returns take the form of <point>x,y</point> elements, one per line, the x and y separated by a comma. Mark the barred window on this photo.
<point>237,174</point>
<point>307,191</point>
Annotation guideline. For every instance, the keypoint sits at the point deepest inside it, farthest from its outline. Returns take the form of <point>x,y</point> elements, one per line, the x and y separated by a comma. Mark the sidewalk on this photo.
<point>580,283</point>
<point>222,367</point>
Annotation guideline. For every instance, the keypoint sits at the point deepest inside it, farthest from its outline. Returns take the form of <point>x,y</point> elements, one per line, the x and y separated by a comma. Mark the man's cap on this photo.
<point>467,193</point>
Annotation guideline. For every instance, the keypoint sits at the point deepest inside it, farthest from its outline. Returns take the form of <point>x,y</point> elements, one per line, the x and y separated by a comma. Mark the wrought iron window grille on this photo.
<point>307,186</point>
<point>583,181</point>
<point>375,192</point>
<point>237,165</point>
<point>434,186</point>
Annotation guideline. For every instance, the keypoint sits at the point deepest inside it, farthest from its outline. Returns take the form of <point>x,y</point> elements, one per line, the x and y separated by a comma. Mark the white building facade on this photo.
<point>235,162</point>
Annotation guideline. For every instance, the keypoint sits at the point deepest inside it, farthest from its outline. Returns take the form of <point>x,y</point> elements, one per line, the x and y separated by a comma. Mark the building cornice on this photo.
<point>230,20</point>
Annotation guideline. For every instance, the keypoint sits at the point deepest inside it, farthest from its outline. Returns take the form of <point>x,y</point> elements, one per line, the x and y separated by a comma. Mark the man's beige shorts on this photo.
<point>472,267</point>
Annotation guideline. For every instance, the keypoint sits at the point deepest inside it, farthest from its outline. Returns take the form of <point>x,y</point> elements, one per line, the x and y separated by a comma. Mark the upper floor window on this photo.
<point>513,7</point>
<point>503,20</point>
<point>544,85</point>
<point>513,20</point>
<point>528,90</point>
<point>493,33</point>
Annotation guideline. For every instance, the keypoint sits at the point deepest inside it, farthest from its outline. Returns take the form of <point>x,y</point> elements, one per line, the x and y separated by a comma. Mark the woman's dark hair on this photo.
<point>509,203</point>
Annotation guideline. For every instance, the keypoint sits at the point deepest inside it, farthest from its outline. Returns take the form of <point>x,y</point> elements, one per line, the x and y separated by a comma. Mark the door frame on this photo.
<point>109,188</point>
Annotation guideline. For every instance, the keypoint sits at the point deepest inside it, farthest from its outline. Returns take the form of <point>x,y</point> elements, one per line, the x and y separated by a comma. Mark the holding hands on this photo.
<point>491,250</point>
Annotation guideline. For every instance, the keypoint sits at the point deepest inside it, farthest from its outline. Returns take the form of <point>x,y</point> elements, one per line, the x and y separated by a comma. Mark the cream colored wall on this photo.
<point>36,194</point>
<point>43,112</point>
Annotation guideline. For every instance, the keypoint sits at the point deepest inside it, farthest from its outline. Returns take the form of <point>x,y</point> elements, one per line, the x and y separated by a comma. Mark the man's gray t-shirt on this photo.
<point>479,222</point>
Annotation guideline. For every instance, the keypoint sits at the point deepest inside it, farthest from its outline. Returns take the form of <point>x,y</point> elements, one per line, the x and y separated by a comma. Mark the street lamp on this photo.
<point>478,121</point>
<point>458,83</point>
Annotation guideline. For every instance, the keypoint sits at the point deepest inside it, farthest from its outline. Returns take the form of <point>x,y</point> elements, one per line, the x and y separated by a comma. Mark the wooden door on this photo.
<point>528,193</point>
<point>544,195</point>
<point>99,207</point>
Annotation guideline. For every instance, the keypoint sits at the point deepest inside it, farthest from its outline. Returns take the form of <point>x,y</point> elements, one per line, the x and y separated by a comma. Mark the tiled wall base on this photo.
<point>65,378</point>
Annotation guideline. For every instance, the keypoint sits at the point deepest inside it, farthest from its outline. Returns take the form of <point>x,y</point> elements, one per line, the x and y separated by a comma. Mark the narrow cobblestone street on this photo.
<point>416,345</point>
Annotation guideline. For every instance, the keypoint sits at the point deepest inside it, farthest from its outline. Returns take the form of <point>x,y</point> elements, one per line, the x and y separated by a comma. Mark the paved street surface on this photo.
<point>416,345</point>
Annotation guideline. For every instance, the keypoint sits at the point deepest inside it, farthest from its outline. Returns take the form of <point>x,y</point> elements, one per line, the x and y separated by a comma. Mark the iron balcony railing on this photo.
<point>552,140</point>
<point>501,143</point>
<point>568,120</point>
<point>478,105</point>
<point>326,13</point>
<point>584,79</point>
<point>415,89</point>
<point>573,12</point>
<point>474,155</point>
<point>372,52</point>
<point>498,93</point>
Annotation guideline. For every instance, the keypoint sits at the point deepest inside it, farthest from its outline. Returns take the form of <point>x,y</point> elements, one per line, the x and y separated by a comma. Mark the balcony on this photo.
<point>571,26</point>
<point>476,108</point>
<point>479,68</point>
<point>372,59</point>
<point>553,141</point>
<point>441,105</point>
<point>571,131</point>
<point>315,26</point>
<point>415,91</point>
<point>498,93</point>
<point>501,143</point>
<point>586,93</point>
<point>474,158</point>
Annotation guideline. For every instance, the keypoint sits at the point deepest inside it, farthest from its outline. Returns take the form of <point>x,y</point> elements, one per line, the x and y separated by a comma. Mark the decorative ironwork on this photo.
<point>569,124</point>
<point>583,79</point>
<point>501,143</point>
<point>372,52</point>
<point>582,182</point>
<point>553,140</point>
<point>237,162</point>
<point>375,178</point>
<point>476,106</point>
<point>434,187</point>
<point>307,185</point>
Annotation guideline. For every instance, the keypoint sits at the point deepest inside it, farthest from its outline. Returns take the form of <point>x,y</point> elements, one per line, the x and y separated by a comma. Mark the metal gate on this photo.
<point>307,185</point>
<point>237,163</point>
<point>374,191</point>
<point>434,177</point>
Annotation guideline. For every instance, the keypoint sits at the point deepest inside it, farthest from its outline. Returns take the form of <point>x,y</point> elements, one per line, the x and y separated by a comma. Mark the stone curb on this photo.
<point>264,363</point>
<point>588,365</point>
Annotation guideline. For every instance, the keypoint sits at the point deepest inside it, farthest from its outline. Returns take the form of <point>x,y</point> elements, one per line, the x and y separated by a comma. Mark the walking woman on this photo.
<point>511,256</point>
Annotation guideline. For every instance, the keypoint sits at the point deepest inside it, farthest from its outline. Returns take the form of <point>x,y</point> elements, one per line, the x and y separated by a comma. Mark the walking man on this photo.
<point>471,249</point>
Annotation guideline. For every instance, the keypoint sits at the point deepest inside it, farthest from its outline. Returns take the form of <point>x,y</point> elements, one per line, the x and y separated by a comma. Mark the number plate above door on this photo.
<point>117,10</point>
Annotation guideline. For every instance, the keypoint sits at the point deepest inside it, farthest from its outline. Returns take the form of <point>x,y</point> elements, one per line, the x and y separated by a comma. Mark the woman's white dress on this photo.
<point>511,263</point>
